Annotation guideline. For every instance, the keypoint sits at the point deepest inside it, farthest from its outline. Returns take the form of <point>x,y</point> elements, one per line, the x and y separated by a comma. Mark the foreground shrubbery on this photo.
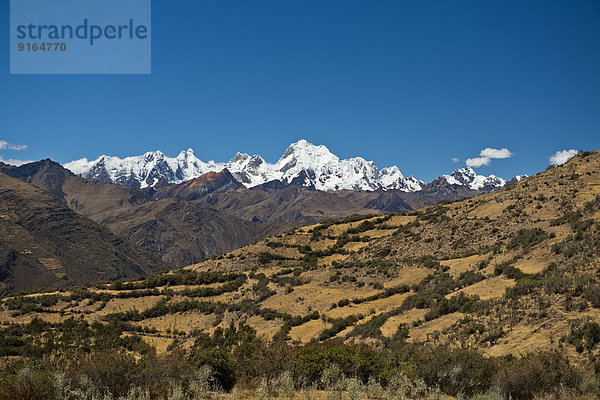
<point>118,375</point>
<point>95,364</point>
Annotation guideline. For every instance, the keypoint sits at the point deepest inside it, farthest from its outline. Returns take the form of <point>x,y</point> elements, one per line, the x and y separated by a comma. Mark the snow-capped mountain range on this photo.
<point>314,166</point>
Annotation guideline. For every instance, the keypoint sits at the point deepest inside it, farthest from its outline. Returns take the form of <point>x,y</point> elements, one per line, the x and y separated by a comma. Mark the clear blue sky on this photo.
<point>410,83</point>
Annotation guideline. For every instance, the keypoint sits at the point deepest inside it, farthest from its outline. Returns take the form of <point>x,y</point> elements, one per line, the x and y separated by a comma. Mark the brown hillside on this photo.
<point>182,232</point>
<point>507,273</point>
<point>43,236</point>
<point>178,233</point>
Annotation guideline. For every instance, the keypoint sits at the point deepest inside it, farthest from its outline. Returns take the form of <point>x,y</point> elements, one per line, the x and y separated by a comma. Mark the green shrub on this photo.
<point>527,238</point>
<point>265,257</point>
<point>523,378</point>
<point>360,361</point>
<point>585,334</point>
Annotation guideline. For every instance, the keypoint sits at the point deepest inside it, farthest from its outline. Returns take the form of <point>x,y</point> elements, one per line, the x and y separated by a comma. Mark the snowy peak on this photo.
<point>392,179</point>
<point>323,170</point>
<point>184,155</point>
<point>304,155</point>
<point>142,171</point>
<point>251,170</point>
<point>468,177</point>
<point>303,149</point>
<point>516,179</point>
<point>303,164</point>
<point>243,161</point>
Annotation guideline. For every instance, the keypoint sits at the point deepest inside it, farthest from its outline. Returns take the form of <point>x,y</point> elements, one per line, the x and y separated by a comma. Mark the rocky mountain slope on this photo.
<point>294,204</point>
<point>43,242</point>
<point>302,164</point>
<point>182,232</point>
<point>225,213</point>
<point>509,272</point>
<point>178,233</point>
<point>91,198</point>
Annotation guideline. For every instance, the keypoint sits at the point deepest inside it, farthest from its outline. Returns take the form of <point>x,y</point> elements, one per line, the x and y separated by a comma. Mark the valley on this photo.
<point>193,211</point>
<point>504,274</point>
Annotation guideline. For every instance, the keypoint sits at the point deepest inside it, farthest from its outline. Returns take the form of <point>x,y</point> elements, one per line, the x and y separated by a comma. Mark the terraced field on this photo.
<point>504,272</point>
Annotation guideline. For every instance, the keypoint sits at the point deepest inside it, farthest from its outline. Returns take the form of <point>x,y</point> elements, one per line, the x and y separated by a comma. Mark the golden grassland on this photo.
<point>367,269</point>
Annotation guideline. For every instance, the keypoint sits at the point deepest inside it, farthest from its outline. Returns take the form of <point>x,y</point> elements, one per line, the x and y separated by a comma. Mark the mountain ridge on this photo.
<point>49,242</point>
<point>229,213</point>
<point>135,215</point>
<point>312,165</point>
<point>507,274</point>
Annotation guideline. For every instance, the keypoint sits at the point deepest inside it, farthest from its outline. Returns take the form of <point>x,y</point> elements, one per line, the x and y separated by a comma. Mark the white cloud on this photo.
<point>495,153</point>
<point>455,160</point>
<point>561,157</point>
<point>78,166</point>
<point>487,155</point>
<point>478,162</point>
<point>14,162</point>
<point>4,145</point>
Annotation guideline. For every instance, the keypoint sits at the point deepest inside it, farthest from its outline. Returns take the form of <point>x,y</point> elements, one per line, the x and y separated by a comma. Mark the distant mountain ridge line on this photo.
<point>215,213</point>
<point>303,164</point>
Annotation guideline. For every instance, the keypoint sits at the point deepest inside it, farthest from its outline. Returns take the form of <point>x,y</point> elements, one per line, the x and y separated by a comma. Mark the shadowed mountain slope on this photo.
<point>180,234</point>
<point>293,205</point>
<point>285,207</point>
<point>42,234</point>
<point>94,199</point>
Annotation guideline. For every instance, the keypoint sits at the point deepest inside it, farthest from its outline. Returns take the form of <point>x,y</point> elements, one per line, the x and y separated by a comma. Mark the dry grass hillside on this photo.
<point>510,272</point>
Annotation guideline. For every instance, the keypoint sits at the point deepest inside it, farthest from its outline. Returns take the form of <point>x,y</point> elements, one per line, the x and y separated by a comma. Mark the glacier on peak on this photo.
<point>302,163</point>
<point>468,177</point>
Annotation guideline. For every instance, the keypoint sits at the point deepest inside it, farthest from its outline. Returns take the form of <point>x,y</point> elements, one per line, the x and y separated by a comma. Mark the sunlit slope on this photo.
<point>509,272</point>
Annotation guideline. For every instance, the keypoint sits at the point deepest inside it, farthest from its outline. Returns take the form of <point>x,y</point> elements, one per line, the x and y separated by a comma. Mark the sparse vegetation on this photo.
<point>235,359</point>
<point>367,307</point>
<point>527,238</point>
